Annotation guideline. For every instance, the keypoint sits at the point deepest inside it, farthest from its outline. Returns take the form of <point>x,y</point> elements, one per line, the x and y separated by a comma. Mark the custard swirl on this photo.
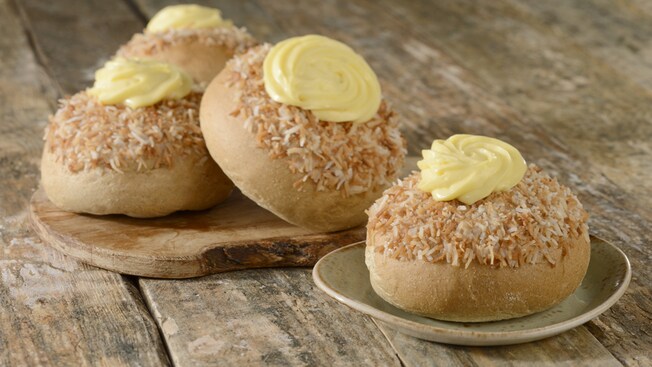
<point>186,16</point>
<point>324,76</point>
<point>469,168</point>
<point>139,83</point>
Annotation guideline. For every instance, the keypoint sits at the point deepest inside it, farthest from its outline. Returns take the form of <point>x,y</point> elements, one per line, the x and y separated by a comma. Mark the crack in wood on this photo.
<point>39,55</point>
<point>138,12</point>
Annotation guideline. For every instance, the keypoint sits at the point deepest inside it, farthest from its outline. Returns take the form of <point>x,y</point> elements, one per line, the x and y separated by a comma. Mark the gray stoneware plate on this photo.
<point>342,274</point>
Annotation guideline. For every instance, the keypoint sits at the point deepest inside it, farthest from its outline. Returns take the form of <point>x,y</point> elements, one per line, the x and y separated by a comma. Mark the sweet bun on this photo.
<point>143,162</point>
<point>268,181</point>
<point>511,254</point>
<point>289,163</point>
<point>201,52</point>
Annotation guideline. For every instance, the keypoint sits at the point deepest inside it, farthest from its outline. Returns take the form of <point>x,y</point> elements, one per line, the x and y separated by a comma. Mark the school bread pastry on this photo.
<point>193,37</point>
<point>131,145</point>
<point>302,129</point>
<point>476,235</point>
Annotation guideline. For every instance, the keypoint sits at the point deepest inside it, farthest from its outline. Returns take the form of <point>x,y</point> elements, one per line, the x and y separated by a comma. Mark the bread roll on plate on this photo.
<point>320,156</point>
<point>466,240</point>
<point>143,156</point>
<point>193,37</point>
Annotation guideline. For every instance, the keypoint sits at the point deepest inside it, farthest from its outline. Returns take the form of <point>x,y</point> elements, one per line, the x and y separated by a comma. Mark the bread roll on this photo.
<point>202,53</point>
<point>143,162</point>
<point>511,254</point>
<point>315,174</point>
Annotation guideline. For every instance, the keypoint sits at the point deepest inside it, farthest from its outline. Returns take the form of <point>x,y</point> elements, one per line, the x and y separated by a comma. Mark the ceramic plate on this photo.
<point>342,274</point>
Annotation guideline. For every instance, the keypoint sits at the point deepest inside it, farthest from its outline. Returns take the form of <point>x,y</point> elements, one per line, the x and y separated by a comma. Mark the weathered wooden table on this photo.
<point>568,81</point>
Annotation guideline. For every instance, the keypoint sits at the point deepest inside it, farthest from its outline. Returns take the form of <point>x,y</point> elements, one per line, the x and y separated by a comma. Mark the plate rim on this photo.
<point>471,337</point>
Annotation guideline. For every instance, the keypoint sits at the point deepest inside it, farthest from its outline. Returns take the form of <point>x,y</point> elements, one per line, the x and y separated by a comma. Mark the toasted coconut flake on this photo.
<point>528,224</point>
<point>350,158</point>
<point>84,134</point>
<point>235,40</point>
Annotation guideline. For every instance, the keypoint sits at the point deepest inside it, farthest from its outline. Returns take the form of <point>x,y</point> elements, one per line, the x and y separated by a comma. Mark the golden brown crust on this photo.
<point>202,53</point>
<point>192,183</point>
<point>479,292</point>
<point>266,180</point>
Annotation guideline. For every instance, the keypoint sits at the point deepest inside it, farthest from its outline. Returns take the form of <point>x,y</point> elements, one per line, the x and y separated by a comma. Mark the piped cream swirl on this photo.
<point>139,83</point>
<point>469,168</point>
<point>186,16</point>
<point>324,76</point>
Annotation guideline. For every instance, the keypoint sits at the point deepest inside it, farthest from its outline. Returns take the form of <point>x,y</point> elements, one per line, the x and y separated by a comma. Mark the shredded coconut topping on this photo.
<point>84,134</point>
<point>347,157</point>
<point>234,39</point>
<point>531,223</point>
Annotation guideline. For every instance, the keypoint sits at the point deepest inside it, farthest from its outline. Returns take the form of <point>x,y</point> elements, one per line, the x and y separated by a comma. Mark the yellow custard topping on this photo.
<point>186,16</point>
<point>324,76</point>
<point>139,83</point>
<point>469,168</point>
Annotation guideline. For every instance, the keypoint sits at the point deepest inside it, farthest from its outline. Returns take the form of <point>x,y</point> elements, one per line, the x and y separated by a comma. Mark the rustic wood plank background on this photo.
<point>569,82</point>
<point>53,310</point>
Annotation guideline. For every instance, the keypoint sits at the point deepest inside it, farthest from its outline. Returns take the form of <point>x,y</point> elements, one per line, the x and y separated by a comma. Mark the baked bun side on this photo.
<point>267,181</point>
<point>480,292</point>
<point>191,183</point>
<point>202,53</point>
<point>201,61</point>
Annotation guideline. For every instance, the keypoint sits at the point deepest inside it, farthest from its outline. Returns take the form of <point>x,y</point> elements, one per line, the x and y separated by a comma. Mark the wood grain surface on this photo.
<point>275,317</point>
<point>236,234</point>
<point>567,82</point>
<point>574,347</point>
<point>53,310</point>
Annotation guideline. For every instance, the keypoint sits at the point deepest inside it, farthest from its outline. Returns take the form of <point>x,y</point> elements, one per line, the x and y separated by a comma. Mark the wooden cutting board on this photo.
<point>237,234</point>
